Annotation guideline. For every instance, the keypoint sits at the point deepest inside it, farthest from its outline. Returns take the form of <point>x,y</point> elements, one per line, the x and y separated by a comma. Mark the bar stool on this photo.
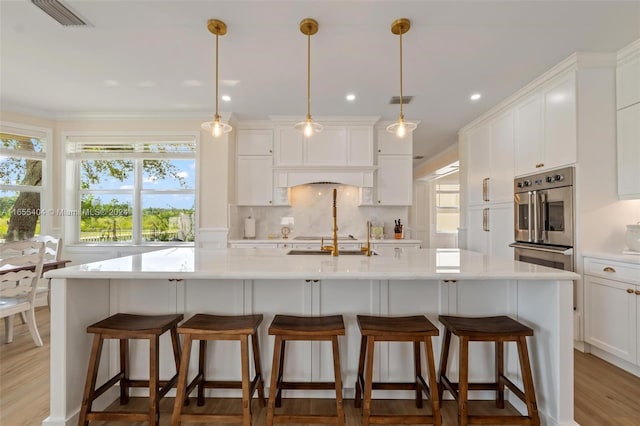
<point>285,328</point>
<point>203,327</point>
<point>497,329</point>
<point>125,327</point>
<point>414,329</point>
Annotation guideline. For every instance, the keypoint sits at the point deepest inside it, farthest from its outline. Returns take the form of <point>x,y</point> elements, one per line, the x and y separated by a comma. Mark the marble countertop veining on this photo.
<point>308,241</point>
<point>390,263</point>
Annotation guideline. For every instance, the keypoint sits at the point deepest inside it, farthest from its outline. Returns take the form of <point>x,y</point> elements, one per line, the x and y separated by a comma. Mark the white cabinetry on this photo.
<point>390,144</point>
<point>628,121</point>
<point>394,181</point>
<point>490,229</point>
<point>490,168</point>
<point>254,180</point>
<point>254,167</point>
<point>335,146</point>
<point>612,307</point>
<point>545,127</point>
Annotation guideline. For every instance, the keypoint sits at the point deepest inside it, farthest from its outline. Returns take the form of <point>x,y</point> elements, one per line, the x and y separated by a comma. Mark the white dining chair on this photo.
<point>52,251</point>
<point>18,287</point>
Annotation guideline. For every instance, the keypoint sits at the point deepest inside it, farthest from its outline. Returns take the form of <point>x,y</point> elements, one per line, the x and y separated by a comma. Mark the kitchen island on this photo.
<point>246,281</point>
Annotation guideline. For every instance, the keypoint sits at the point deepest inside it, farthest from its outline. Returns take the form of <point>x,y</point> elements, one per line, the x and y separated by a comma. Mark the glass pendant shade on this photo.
<point>401,127</point>
<point>308,127</point>
<point>217,127</point>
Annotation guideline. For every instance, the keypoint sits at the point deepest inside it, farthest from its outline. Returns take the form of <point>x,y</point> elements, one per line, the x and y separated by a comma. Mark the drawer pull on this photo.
<point>630,291</point>
<point>539,165</point>
<point>609,269</point>
<point>637,292</point>
<point>450,281</point>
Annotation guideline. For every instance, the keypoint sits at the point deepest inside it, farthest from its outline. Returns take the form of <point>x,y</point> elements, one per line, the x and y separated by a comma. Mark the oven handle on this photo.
<point>565,251</point>
<point>536,224</point>
<point>529,215</point>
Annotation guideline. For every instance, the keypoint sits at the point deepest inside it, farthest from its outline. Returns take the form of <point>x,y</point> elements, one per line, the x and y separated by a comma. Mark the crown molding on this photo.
<point>25,110</point>
<point>159,115</point>
<point>629,52</point>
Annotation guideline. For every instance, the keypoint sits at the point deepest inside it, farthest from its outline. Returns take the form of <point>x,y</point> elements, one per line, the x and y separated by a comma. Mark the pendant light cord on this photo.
<point>309,75</point>
<point>401,115</point>
<point>217,35</point>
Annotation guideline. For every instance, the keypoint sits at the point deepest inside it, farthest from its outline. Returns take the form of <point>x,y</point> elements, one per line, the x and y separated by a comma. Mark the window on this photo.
<point>447,193</point>
<point>132,189</point>
<point>23,179</point>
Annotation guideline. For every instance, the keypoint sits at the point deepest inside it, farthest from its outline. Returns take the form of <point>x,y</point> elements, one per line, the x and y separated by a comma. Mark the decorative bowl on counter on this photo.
<point>632,237</point>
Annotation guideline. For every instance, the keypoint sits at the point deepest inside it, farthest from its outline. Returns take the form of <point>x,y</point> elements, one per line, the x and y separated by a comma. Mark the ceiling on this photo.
<point>158,58</point>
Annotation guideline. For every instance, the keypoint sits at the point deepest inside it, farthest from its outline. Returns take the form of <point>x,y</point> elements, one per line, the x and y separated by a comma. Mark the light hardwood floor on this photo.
<point>605,395</point>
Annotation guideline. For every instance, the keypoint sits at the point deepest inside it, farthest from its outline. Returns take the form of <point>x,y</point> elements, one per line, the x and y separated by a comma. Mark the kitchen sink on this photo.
<point>327,253</point>
<point>318,237</point>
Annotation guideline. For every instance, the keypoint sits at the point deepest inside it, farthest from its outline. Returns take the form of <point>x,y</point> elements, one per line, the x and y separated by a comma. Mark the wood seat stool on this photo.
<point>414,329</point>
<point>285,328</point>
<point>125,327</point>
<point>203,327</point>
<point>497,329</point>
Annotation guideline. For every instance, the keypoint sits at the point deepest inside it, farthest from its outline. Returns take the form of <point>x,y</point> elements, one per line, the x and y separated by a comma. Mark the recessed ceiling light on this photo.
<point>351,97</point>
<point>476,96</point>
<point>226,98</point>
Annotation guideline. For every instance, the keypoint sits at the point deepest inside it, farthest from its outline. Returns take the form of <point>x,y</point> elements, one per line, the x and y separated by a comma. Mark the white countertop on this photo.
<point>401,264</point>
<point>326,240</point>
<point>618,257</point>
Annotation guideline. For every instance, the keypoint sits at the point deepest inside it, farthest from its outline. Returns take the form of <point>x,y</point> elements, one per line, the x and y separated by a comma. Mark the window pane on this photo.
<point>19,171</point>
<point>168,217</point>
<point>448,199</point>
<point>19,215</point>
<point>23,143</point>
<point>447,221</point>
<point>107,174</point>
<point>106,218</point>
<point>169,174</point>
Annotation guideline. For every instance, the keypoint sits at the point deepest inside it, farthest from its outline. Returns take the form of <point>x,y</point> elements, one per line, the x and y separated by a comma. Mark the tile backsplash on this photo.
<point>311,209</point>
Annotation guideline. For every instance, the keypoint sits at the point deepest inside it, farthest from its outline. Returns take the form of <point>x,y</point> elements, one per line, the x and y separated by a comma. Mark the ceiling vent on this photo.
<point>59,12</point>
<point>395,100</point>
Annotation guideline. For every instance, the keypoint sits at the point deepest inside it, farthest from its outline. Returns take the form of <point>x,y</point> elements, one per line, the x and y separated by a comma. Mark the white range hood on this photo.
<point>287,177</point>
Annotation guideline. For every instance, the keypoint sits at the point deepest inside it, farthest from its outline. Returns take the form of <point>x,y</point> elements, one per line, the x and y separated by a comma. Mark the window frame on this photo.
<point>74,192</point>
<point>436,208</point>
<point>45,189</point>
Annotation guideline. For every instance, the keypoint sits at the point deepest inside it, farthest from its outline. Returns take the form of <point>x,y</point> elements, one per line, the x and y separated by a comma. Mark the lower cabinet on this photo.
<point>612,307</point>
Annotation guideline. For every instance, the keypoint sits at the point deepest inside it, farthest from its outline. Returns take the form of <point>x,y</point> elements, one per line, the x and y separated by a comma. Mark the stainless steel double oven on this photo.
<point>544,219</point>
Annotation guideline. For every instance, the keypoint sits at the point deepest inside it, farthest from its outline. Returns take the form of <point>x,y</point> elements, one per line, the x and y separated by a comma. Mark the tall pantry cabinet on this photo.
<point>565,117</point>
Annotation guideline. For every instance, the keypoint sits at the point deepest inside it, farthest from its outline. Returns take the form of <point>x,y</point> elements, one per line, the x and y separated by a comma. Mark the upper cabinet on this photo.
<point>545,127</point>
<point>390,144</point>
<point>490,166</point>
<point>335,146</point>
<point>254,167</point>
<point>628,77</point>
<point>394,182</point>
<point>628,121</point>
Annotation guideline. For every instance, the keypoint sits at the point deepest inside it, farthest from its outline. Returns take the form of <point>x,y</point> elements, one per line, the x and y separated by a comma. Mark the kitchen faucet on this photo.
<point>333,248</point>
<point>367,249</point>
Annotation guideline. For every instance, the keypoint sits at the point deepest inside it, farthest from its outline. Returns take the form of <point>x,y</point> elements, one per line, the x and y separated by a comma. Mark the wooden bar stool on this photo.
<point>203,327</point>
<point>285,328</point>
<point>498,329</point>
<point>124,327</point>
<point>414,329</point>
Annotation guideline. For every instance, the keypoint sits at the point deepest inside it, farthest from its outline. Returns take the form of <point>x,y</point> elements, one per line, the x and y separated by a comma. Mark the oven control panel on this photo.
<point>547,180</point>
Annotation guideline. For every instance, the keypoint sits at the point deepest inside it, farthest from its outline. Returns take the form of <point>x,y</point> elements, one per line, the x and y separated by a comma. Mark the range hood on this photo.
<point>287,177</point>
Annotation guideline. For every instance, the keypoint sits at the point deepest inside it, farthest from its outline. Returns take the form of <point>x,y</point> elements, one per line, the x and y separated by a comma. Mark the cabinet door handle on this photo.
<point>485,189</point>
<point>609,269</point>
<point>539,165</point>
<point>485,219</point>
<point>450,281</point>
<point>630,291</point>
<point>637,292</point>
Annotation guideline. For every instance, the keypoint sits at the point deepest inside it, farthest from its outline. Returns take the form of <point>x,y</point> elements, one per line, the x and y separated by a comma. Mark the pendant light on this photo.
<point>308,127</point>
<point>217,127</point>
<point>401,127</point>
